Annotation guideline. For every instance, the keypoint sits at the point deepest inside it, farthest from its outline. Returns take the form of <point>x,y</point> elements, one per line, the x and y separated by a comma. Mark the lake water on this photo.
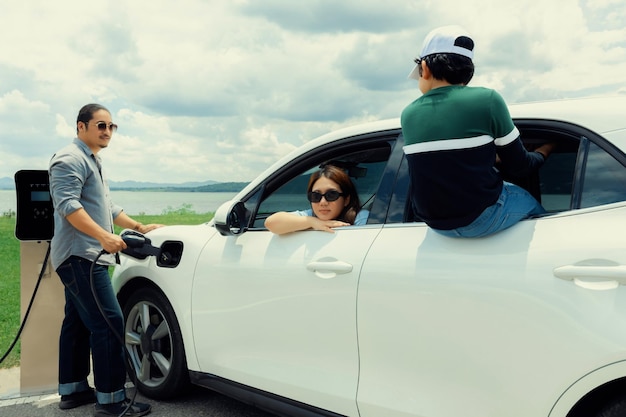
<point>146,202</point>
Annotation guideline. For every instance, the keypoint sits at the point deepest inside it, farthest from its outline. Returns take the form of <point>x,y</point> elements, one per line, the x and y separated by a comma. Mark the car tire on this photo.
<point>154,344</point>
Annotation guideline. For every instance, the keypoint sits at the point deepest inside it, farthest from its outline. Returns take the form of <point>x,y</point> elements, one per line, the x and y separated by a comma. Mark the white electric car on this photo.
<point>390,319</point>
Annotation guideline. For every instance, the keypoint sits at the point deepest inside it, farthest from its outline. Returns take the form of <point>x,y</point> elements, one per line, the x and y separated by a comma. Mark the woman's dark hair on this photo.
<point>342,179</point>
<point>85,114</point>
<point>453,68</point>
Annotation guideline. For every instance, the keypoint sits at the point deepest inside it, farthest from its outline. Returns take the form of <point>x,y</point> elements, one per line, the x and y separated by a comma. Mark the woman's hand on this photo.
<point>326,225</point>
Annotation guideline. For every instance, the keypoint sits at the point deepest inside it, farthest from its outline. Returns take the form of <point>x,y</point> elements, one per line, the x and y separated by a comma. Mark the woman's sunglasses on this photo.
<point>332,195</point>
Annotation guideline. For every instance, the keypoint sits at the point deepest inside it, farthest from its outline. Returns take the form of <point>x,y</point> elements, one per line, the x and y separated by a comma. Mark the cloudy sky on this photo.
<point>218,90</point>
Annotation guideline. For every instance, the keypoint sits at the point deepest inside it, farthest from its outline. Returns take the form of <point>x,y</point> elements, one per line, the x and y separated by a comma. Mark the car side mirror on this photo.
<point>230,218</point>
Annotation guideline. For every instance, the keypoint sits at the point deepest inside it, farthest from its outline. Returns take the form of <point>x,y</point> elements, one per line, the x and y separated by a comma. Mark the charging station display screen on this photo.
<point>35,214</point>
<point>39,196</point>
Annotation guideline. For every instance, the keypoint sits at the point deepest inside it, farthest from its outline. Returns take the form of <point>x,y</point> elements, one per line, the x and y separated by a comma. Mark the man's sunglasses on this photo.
<point>103,126</point>
<point>332,195</point>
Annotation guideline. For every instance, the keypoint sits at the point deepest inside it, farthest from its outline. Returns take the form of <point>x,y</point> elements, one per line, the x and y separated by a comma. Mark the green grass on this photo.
<point>9,290</point>
<point>10,271</point>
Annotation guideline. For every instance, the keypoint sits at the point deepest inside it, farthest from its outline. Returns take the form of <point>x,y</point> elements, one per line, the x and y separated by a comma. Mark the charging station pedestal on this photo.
<point>40,338</point>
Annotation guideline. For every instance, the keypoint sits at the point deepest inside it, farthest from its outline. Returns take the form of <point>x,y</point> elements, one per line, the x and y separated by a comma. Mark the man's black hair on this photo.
<point>453,68</point>
<point>85,114</point>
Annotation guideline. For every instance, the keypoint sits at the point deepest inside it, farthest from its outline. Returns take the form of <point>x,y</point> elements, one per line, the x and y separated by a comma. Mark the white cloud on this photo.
<point>213,90</point>
<point>63,128</point>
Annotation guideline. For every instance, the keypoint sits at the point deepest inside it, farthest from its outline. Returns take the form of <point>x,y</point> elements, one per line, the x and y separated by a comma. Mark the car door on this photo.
<point>278,313</point>
<point>503,325</point>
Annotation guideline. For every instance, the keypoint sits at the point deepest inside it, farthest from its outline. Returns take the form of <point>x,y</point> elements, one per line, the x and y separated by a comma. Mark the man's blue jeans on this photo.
<point>84,328</point>
<point>513,205</point>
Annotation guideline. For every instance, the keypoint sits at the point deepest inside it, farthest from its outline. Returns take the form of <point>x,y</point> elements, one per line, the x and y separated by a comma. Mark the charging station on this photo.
<point>40,336</point>
<point>42,292</point>
<point>39,355</point>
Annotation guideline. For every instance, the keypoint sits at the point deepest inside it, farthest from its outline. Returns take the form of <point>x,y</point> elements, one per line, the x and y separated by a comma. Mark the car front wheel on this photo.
<point>154,344</point>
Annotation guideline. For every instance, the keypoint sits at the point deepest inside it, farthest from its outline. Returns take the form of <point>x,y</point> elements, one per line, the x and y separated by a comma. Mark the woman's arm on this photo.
<point>283,222</point>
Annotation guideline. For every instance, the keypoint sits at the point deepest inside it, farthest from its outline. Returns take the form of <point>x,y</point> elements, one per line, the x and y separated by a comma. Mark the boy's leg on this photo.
<point>513,205</point>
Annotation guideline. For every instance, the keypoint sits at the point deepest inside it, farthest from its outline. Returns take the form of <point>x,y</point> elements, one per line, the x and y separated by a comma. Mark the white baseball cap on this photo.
<point>446,40</point>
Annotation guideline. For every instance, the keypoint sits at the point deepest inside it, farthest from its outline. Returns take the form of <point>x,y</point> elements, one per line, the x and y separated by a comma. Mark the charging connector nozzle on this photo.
<point>137,245</point>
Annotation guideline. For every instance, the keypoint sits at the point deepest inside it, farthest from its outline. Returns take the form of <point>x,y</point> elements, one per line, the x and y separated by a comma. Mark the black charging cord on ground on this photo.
<point>30,305</point>
<point>130,367</point>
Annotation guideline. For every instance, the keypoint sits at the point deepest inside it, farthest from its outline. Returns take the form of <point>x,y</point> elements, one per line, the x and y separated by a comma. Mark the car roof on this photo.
<point>599,114</point>
<point>602,115</point>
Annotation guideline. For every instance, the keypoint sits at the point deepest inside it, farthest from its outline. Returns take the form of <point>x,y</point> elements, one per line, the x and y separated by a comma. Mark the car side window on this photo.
<point>553,184</point>
<point>579,173</point>
<point>604,179</point>
<point>556,178</point>
<point>365,168</point>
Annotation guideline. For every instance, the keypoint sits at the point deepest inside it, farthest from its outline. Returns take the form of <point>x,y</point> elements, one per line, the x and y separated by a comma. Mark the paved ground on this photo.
<point>9,383</point>
<point>197,402</point>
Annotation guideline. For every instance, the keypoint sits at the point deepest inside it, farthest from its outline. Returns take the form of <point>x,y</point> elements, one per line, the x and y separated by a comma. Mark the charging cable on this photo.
<point>30,305</point>
<point>138,246</point>
<point>130,368</point>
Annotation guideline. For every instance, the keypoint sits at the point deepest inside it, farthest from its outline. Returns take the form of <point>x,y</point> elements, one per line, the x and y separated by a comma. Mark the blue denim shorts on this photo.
<point>513,205</point>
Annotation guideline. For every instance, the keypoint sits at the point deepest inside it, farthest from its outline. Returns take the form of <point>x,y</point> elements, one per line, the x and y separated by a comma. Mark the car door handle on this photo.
<point>596,274</point>
<point>329,269</point>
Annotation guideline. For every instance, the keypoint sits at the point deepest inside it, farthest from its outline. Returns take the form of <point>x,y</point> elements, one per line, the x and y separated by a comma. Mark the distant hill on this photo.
<point>213,187</point>
<point>130,185</point>
<point>7,183</point>
<point>221,187</point>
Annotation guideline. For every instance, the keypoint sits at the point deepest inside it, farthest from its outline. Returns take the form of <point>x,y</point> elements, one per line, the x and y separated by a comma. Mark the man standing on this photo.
<point>453,136</point>
<point>84,216</point>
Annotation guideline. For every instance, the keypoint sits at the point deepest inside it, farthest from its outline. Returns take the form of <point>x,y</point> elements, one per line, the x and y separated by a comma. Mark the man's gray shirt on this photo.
<point>76,182</point>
